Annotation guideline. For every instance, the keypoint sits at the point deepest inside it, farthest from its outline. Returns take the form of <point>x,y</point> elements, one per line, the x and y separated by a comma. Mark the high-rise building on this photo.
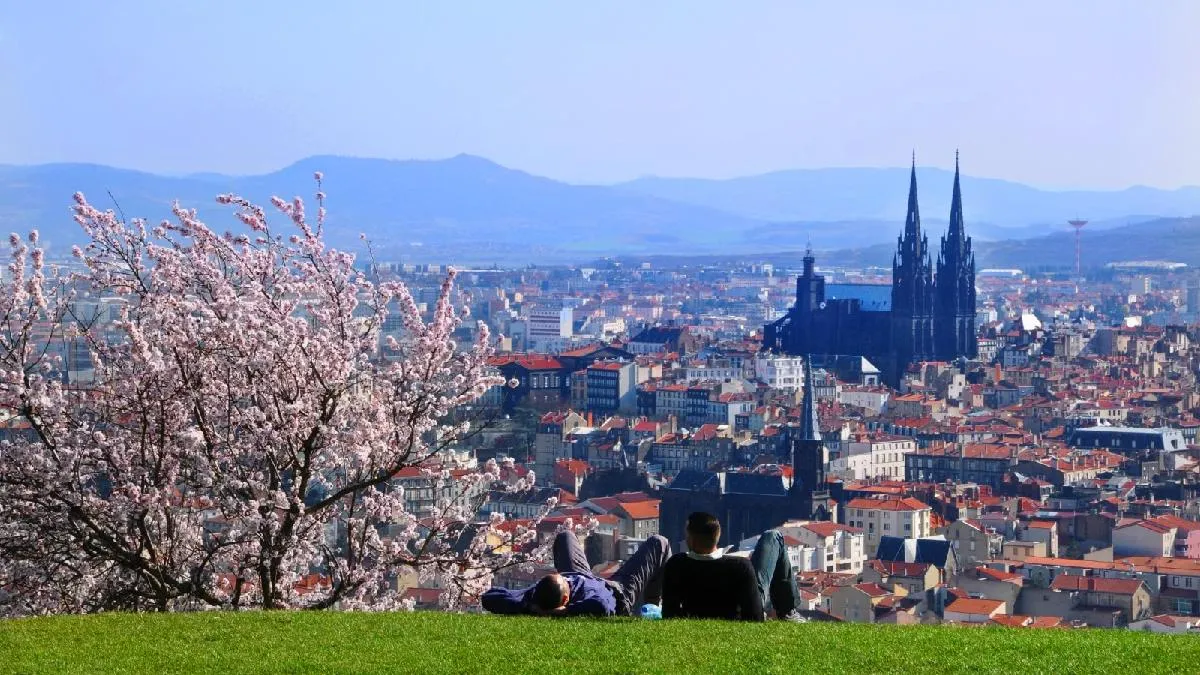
<point>1193,295</point>
<point>547,326</point>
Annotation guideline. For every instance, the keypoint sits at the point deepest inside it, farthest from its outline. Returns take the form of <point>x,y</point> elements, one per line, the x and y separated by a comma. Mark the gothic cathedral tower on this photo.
<point>912,291</point>
<point>954,287</point>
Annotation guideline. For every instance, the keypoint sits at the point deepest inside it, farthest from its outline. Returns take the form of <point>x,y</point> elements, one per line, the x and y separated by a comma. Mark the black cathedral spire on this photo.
<point>912,291</point>
<point>954,320</point>
<point>912,222</point>
<point>810,426</point>
<point>956,235</point>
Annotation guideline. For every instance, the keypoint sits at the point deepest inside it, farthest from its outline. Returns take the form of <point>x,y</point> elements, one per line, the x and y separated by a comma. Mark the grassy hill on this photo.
<point>433,642</point>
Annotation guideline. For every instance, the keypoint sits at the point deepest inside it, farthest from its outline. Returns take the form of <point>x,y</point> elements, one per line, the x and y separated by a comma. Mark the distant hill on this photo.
<point>470,210</point>
<point>404,206</point>
<point>994,209</point>
<point>1172,239</point>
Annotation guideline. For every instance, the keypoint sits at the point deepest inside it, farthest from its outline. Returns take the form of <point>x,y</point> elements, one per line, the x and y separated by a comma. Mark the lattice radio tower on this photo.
<point>1078,225</point>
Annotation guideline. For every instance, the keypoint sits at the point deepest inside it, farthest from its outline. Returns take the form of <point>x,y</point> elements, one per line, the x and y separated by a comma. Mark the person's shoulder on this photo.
<point>737,563</point>
<point>678,558</point>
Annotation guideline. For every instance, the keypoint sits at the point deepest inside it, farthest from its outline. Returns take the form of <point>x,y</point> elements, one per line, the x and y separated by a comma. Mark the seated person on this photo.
<point>574,591</point>
<point>706,583</point>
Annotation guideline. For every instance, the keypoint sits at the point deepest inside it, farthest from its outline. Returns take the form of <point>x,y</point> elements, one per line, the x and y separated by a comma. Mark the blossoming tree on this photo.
<point>237,445</point>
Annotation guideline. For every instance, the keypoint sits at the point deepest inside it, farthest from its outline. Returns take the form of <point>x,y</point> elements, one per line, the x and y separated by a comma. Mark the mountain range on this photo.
<point>468,209</point>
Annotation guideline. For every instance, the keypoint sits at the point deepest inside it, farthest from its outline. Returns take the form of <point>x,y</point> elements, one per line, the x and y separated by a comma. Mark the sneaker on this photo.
<point>793,617</point>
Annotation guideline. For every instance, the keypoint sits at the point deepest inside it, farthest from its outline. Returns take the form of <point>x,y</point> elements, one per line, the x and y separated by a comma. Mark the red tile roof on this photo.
<point>584,351</point>
<point>997,575</point>
<point>873,590</point>
<point>1074,582</point>
<point>974,606</point>
<point>526,361</point>
<point>900,568</point>
<point>1156,527</point>
<point>641,510</point>
<point>828,529</point>
<point>887,504</point>
<point>1181,524</point>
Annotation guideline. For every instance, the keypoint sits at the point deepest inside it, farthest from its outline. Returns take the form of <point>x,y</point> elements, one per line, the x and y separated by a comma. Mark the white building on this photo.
<point>838,548</point>
<point>820,546</point>
<point>868,398</point>
<point>1143,538</point>
<point>897,517</point>
<point>779,371</point>
<point>876,456</point>
<point>547,325</point>
<point>714,371</point>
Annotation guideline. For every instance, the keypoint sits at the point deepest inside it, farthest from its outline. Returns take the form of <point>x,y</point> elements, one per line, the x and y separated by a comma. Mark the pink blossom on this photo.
<point>223,366</point>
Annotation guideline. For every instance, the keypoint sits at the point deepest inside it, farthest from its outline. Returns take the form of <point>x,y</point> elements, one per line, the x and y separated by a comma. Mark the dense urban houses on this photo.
<point>749,502</point>
<point>958,492</point>
<point>661,339</point>
<point>926,316</point>
<point>968,463</point>
<point>534,380</point>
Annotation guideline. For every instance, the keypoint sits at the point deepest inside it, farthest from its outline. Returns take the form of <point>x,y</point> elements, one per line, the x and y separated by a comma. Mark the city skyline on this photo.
<point>1050,97</point>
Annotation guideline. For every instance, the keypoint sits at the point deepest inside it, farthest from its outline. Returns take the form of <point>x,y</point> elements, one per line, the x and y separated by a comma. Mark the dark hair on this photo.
<point>704,528</point>
<point>547,594</point>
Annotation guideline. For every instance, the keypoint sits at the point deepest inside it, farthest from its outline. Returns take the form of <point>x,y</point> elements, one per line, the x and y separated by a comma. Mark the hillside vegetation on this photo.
<point>323,642</point>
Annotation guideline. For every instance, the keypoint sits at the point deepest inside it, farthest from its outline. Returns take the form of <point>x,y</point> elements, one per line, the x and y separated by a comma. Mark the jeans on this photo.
<point>776,578</point>
<point>638,580</point>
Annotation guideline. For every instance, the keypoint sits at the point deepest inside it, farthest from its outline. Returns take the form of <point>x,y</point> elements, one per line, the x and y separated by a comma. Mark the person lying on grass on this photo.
<point>706,582</point>
<point>574,591</point>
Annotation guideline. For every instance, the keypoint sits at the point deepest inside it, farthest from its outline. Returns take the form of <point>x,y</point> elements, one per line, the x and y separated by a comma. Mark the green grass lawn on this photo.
<point>431,642</point>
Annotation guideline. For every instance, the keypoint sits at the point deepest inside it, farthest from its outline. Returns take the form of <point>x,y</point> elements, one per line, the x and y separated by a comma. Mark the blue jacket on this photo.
<point>590,596</point>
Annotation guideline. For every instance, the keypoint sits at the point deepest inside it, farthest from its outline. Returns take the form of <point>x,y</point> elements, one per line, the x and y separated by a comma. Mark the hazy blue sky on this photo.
<point>1087,93</point>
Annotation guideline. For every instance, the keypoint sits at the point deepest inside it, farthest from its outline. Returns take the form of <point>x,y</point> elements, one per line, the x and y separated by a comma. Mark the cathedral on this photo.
<point>928,316</point>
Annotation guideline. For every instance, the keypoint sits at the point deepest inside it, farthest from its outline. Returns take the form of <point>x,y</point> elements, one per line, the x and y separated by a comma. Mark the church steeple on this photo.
<point>808,455</point>
<point>810,426</point>
<point>954,285</point>
<point>912,222</point>
<point>912,290</point>
<point>956,234</point>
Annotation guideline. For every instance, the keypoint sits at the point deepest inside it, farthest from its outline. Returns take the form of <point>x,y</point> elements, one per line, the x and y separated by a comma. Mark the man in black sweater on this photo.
<point>705,583</point>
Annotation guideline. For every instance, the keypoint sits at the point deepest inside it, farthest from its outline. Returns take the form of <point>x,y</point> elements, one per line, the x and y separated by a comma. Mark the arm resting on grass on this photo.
<point>505,601</point>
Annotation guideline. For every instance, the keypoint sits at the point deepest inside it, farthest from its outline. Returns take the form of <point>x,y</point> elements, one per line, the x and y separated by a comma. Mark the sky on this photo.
<point>1057,94</point>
